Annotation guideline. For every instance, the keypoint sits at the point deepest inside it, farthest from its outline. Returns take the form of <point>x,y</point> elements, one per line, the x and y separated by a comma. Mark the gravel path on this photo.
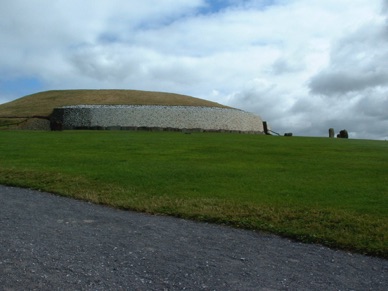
<point>55,243</point>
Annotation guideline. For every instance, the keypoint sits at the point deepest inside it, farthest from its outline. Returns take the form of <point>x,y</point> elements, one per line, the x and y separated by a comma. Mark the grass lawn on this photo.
<point>329,191</point>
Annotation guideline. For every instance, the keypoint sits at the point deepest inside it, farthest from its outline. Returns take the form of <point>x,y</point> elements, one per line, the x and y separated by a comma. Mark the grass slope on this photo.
<point>329,191</point>
<point>42,104</point>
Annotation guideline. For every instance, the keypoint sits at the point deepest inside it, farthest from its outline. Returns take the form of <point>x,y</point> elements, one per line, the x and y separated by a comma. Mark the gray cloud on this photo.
<point>285,66</point>
<point>108,62</point>
<point>336,82</point>
<point>357,62</point>
<point>373,104</point>
<point>385,6</point>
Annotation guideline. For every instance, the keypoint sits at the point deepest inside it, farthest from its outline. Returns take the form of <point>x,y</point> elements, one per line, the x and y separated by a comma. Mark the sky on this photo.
<point>304,66</point>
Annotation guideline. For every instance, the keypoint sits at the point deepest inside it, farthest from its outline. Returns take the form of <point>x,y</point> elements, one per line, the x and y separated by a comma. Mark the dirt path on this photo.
<point>54,243</point>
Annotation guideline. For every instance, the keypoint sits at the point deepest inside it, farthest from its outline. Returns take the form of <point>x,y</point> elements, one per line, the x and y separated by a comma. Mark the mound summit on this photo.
<point>124,109</point>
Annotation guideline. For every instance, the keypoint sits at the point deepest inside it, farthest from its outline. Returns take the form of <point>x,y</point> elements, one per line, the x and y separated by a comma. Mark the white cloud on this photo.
<point>358,61</point>
<point>302,65</point>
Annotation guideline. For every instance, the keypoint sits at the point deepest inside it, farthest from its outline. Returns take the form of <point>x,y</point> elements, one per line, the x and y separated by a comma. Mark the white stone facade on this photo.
<point>161,117</point>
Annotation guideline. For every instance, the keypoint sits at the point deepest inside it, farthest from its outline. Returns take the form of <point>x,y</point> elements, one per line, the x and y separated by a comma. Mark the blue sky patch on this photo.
<point>215,6</point>
<point>20,86</point>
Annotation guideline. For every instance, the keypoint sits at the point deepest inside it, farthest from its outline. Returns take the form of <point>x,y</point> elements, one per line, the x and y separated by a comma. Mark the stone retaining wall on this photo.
<point>161,117</point>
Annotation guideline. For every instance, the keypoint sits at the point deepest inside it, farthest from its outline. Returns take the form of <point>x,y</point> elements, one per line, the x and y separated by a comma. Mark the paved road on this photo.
<point>54,243</point>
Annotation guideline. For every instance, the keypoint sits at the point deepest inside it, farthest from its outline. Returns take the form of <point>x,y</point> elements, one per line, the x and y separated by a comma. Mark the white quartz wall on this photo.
<point>176,117</point>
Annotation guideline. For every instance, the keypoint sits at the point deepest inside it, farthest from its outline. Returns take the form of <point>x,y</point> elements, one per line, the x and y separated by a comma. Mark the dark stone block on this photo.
<point>343,134</point>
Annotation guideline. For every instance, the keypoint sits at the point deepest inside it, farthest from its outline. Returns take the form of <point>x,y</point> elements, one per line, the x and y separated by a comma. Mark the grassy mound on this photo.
<point>43,103</point>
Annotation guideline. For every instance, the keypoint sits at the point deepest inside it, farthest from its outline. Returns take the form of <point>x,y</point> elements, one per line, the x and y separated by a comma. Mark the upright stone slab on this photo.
<point>331,132</point>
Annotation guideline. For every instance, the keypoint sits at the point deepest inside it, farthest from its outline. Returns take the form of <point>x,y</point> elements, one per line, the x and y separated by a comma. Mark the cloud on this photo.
<point>385,6</point>
<point>354,84</point>
<point>357,62</point>
<point>342,81</point>
<point>303,65</point>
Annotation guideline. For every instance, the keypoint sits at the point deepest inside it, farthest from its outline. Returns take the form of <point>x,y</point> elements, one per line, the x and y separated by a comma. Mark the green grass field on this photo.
<point>328,191</point>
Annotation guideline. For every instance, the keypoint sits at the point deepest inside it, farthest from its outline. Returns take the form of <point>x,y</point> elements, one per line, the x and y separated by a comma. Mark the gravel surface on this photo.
<point>55,243</point>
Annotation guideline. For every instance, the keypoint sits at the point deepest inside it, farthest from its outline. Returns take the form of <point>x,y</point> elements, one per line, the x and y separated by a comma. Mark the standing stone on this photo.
<point>265,126</point>
<point>331,132</point>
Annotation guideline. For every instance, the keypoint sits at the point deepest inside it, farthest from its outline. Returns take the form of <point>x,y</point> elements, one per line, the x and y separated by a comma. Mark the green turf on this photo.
<point>330,191</point>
